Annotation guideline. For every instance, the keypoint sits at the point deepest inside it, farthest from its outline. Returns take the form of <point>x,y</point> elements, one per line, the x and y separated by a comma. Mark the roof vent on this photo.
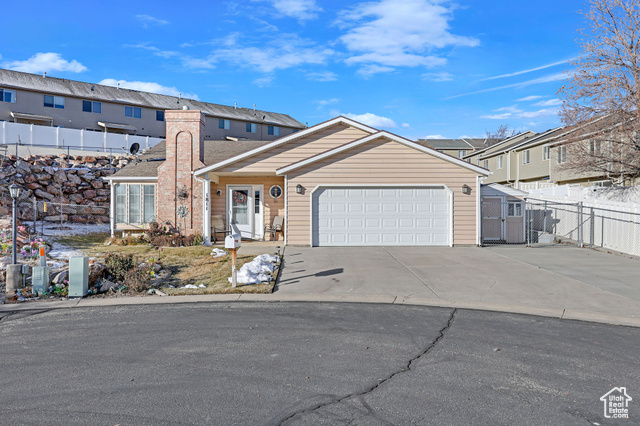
<point>118,85</point>
<point>44,74</point>
<point>185,107</point>
<point>235,105</point>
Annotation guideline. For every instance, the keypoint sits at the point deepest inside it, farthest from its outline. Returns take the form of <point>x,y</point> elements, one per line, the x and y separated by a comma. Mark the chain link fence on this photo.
<point>553,222</point>
<point>39,216</point>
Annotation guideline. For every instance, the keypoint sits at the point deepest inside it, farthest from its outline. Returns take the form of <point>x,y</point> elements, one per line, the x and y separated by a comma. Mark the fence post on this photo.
<point>57,137</point>
<point>592,227</point>
<point>35,216</point>
<point>580,230</point>
<point>544,218</point>
<point>31,134</point>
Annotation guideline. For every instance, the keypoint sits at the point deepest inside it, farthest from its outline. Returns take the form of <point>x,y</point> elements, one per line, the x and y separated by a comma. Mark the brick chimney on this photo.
<point>179,194</point>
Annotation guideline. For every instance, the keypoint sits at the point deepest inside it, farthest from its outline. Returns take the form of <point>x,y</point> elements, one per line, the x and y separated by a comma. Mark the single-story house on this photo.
<point>337,183</point>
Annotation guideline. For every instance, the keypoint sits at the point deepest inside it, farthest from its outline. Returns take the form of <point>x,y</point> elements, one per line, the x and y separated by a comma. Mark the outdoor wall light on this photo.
<point>299,189</point>
<point>219,192</point>
<point>466,189</point>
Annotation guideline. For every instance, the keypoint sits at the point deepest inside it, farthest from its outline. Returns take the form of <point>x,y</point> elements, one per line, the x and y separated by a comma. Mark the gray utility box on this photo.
<point>78,276</point>
<point>40,279</point>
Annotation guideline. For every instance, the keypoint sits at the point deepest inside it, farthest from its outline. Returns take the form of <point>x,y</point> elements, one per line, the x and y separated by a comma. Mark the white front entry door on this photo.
<point>379,216</point>
<point>241,215</point>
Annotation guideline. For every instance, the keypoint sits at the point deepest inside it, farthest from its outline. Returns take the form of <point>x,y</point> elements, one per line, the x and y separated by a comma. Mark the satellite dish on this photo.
<point>135,147</point>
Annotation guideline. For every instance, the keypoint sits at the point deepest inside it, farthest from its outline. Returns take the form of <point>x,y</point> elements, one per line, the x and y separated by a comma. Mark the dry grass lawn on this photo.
<point>190,265</point>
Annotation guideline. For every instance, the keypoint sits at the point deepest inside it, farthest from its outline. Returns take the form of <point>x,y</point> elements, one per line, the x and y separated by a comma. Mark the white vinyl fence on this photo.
<point>580,215</point>
<point>59,137</point>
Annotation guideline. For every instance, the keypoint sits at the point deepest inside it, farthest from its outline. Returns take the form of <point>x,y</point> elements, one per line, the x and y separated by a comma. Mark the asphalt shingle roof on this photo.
<point>214,152</point>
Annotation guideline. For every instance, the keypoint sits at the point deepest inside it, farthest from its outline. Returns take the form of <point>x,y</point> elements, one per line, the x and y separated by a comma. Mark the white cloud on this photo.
<point>145,86</point>
<point>526,71</point>
<point>301,10</point>
<point>45,62</point>
<point>367,71</point>
<point>406,125</point>
<point>437,76</point>
<point>549,102</point>
<point>373,120</point>
<point>150,20</point>
<point>546,79</point>
<point>285,51</point>
<point>325,102</point>
<point>399,34</point>
<point>263,81</point>
<point>434,137</point>
<point>322,76</point>
<point>514,112</point>
<point>530,98</point>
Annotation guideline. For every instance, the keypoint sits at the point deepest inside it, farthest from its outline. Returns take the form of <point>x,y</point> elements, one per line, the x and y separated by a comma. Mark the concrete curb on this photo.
<point>561,313</point>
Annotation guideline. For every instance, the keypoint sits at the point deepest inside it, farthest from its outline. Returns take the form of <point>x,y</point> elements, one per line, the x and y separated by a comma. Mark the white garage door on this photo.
<point>381,216</point>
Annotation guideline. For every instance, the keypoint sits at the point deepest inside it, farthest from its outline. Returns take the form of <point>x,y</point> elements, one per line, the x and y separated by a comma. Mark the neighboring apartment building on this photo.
<point>48,101</point>
<point>533,161</point>
<point>458,148</point>
<point>481,157</point>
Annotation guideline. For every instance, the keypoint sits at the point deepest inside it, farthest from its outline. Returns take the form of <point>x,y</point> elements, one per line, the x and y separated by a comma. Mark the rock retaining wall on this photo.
<point>61,179</point>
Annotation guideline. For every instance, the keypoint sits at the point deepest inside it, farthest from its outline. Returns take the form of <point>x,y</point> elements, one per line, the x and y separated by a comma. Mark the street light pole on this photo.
<point>14,190</point>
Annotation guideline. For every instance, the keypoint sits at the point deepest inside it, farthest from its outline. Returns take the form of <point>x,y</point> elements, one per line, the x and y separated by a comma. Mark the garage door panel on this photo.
<point>381,216</point>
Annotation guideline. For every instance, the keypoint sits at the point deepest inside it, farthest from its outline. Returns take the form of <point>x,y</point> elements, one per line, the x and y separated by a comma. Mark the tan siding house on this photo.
<point>338,183</point>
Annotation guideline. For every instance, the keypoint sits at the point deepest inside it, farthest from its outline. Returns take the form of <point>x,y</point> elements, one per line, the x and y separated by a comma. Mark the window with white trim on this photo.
<point>224,124</point>
<point>595,148</point>
<point>462,153</point>
<point>91,106</point>
<point>562,154</point>
<point>273,130</point>
<point>7,95</point>
<point>545,152</point>
<point>526,156</point>
<point>51,101</point>
<point>486,164</point>
<point>252,128</point>
<point>135,203</point>
<point>500,161</point>
<point>133,112</point>
<point>514,209</point>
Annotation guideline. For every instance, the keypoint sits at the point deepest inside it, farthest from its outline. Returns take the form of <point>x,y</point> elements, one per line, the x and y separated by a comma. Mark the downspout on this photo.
<point>479,181</point>
<point>285,230</point>
<point>112,213</point>
<point>206,208</point>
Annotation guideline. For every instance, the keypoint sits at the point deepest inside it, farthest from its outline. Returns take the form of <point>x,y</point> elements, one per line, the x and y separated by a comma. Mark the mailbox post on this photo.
<point>232,242</point>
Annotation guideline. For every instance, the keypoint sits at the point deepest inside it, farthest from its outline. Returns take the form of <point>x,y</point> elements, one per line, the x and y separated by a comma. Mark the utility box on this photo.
<point>232,242</point>
<point>40,279</point>
<point>78,276</point>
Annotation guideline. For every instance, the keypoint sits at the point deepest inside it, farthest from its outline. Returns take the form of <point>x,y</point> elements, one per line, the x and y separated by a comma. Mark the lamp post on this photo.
<point>14,190</point>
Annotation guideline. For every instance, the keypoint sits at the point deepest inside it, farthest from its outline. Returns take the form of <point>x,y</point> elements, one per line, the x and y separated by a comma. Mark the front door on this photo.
<point>241,211</point>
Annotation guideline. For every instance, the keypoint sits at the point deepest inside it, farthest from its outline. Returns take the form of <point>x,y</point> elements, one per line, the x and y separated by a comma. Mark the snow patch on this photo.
<point>216,252</point>
<point>257,271</point>
<point>194,286</point>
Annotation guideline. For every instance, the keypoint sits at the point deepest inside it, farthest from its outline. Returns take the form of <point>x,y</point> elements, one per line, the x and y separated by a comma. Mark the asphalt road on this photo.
<point>309,364</point>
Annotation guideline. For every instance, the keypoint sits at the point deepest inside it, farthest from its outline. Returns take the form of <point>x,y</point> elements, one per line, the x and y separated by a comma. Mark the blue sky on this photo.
<point>418,68</point>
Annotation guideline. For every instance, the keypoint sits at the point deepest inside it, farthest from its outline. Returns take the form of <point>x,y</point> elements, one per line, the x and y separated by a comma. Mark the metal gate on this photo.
<point>503,221</point>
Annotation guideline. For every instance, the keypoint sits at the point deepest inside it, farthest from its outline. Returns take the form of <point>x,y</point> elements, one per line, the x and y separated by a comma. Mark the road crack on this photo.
<point>408,366</point>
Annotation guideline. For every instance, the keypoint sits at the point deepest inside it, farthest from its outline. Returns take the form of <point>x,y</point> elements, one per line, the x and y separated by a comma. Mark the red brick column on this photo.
<point>177,188</point>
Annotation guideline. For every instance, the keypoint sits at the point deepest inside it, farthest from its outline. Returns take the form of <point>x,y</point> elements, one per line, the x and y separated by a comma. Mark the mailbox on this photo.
<point>232,242</point>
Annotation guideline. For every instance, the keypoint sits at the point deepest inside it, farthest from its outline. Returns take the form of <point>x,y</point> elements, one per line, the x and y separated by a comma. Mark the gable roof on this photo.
<point>279,142</point>
<point>462,143</point>
<point>526,141</point>
<point>214,152</point>
<point>387,135</point>
<point>526,134</point>
<point>98,92</point>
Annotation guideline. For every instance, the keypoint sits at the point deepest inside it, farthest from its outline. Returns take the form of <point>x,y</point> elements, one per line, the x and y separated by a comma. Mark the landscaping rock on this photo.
<point>60,277</point>
<point>96,270</point>
<point>107,285</point>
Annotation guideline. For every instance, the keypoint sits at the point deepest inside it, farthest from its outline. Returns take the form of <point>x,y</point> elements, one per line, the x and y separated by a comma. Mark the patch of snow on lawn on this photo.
<point>194,286</point>
<point>60,251</point>
<point>257,271</point>
<point>74,228</point>
<point>216,252</point>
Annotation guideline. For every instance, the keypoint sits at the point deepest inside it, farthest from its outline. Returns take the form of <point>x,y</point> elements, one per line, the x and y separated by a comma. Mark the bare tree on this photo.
<point>503,131</point>
<point>601,100</point>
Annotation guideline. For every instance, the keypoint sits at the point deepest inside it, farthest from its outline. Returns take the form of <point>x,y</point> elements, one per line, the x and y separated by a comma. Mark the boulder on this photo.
<point>23,167</point>
<point>33,186</point>
<point>56,218</point>
<point>89,194</point>
<point>107,285</point>
<point>72,178</point>
<point>97,184</point>
<point>76,198</point>
<point>30,178</point>
<point>41,194</point>
<point>51,189</point>
<point>60,176</point>
<point>60,277</point>
<point>42,177</point>
<point>96,270</point>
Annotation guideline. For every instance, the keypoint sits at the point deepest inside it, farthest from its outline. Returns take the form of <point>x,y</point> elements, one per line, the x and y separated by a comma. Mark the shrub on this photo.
<point>137,280</point>
<point>118,265</point>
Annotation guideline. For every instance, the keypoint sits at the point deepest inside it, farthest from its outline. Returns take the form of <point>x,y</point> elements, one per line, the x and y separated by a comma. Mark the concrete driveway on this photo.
<point>578,282</point>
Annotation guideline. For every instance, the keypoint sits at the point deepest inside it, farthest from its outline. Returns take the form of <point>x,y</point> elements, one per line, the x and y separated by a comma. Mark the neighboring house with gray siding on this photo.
<point>458,148</point>
<point>48,101</point>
